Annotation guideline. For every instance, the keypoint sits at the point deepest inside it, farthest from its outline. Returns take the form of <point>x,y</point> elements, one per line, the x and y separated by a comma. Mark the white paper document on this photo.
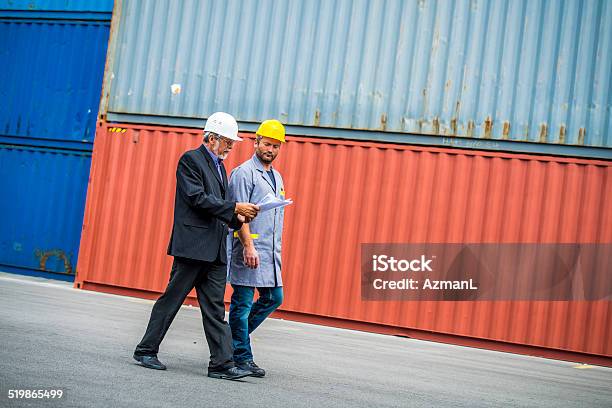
<point>270,202</point>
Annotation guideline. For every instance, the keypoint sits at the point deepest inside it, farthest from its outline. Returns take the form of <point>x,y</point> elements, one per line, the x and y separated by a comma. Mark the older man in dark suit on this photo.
<point>198,243</point>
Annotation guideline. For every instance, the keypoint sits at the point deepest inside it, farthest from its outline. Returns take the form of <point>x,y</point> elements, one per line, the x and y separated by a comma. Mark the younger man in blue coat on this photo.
<point>255,249</point>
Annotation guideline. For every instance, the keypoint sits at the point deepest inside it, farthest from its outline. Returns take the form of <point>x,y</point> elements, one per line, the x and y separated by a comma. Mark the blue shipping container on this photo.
<point>96,6</point>
<point>52,76</point>
<point>52,63</point>
<point>41,212</point>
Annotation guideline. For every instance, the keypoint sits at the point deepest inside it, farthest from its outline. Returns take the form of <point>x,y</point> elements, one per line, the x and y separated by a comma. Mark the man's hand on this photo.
<point>251,257</point>
<point>248,210</point>
<point>244,219</point>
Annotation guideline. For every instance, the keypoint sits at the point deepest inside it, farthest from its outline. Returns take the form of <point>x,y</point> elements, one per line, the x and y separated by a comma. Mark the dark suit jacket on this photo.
<point>201,213</point>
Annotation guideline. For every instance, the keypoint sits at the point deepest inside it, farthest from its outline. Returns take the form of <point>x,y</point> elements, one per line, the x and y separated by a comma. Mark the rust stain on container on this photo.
<point>43,256</point>
<point>408,194</point>
<point>453,125</point>
<point>435,126</point>
<point>317,118</point>
<point>581,135</point>
<point>506,130</point>
<point>543,133</point>
<point>562,134</point>
<point>488,126</point>
<point>470,128</point>
<point>383,121</point>
<point>420,125</point>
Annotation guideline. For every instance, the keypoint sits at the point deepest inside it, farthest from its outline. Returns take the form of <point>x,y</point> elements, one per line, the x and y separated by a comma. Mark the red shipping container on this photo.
<point>378,193</point>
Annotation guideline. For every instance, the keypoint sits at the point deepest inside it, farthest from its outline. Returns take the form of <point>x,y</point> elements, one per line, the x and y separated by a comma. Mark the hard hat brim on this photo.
<point>272,137</point>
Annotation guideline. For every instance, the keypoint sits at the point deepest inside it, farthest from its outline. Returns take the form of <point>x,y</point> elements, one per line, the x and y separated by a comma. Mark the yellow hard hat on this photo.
<point>273,129</point>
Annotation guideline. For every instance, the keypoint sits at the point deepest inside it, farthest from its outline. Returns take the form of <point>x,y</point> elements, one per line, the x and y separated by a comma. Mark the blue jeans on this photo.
<point>245,316</point>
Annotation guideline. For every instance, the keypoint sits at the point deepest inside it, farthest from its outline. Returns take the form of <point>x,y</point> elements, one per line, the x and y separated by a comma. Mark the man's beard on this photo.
<point>220,154</point>
<point>266,158</point>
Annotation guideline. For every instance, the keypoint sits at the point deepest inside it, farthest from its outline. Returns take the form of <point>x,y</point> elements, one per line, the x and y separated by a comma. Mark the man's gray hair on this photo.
<point>208,135</point>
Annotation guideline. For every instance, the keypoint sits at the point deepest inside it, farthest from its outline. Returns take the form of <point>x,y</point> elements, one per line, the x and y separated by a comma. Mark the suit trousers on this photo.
<point>209,280</point>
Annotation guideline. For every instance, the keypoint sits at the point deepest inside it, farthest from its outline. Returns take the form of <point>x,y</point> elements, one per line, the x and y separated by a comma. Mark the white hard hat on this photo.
<point>222,124</point>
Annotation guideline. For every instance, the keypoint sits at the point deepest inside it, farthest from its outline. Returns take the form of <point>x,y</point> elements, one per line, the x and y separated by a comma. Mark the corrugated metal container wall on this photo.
<point>98,6</point>
<point>444,195</point>
<point>41,211</point>
<point>52,74</point>
<point>52,63</point>
<point>523,70</point>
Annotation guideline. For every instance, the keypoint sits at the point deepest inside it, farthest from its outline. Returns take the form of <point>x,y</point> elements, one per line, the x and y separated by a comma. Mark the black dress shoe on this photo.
<point>255,370</point>
<point>233,373</point>
<point>150,362</point>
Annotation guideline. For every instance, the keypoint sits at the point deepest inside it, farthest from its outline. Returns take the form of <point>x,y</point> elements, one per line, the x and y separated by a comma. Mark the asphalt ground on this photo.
<point>57,337</point>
